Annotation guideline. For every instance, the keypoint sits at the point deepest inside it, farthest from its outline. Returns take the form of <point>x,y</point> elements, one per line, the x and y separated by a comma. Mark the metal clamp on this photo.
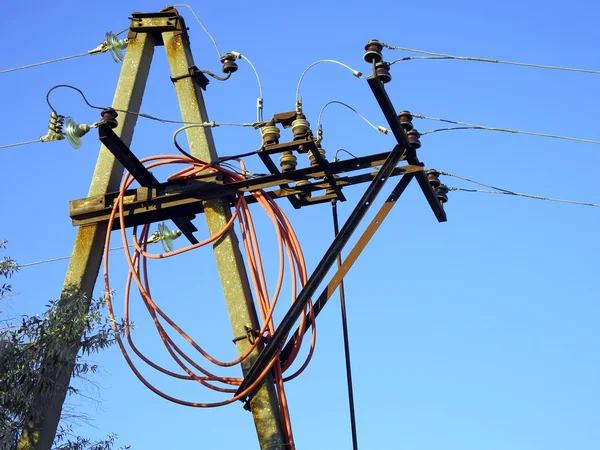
<point>251,335</point>
<point>196,75</point>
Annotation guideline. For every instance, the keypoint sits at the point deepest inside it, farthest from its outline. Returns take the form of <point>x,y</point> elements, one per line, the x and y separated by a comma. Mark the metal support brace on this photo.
<point>313,282</point>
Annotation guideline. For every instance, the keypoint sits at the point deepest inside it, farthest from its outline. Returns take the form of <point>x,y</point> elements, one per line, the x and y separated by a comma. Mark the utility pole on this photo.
<point>148,30</point>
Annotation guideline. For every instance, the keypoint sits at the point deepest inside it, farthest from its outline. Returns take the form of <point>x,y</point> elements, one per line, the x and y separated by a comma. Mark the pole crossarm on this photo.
<point>155,201</point>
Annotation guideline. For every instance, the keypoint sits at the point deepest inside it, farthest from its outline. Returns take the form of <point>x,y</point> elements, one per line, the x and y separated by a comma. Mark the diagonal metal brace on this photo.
<point>142,175</point>
<point>411,157</point>
<point>349,261</point>
<point>274,345</point>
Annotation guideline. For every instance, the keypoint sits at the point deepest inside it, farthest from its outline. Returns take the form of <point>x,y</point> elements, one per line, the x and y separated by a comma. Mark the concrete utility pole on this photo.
<point>147,31</point>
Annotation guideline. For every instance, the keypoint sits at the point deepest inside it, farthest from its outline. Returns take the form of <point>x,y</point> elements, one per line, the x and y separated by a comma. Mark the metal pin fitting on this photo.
<point>413,137</point>
<point>270,134</point>
<point>303,195</point>
<point>441,192</point>
<point>373,51</point>
<point>406,120</point>
<point>300,127</point>
<point>433,176</point>
<point>311,156</point>
<point>229,64</point>
<point>382,69</point>
<point>236,55</point>
<point>288,161</point>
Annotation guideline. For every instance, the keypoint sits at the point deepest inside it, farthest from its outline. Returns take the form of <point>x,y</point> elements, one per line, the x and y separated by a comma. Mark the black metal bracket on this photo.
<point>142,175</point>
<point>411,157</point>
<point>287,323</point>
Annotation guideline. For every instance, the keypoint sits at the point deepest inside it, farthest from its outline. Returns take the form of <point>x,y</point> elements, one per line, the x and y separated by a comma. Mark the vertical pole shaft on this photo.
<point>264,403</point>
<point>87,252</point>
<point>336,231</point>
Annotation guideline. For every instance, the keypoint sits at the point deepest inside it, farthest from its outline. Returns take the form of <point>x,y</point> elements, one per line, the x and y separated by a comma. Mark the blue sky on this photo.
<point>480,333</point>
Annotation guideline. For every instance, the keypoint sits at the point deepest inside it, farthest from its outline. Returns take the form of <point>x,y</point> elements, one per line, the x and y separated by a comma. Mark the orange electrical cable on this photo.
<point>289,249</point>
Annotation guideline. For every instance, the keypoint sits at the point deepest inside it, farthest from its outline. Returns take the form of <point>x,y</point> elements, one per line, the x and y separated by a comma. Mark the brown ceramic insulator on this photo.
<point>109,116</point>
<point>303,195</point>
<point>413,137</point>
<point>433,176</point>
<point>382,69</point>
<point>311,157</point>
<point>406,120</point>
<point>300,127</point>
<point>441,192</point>
<point>270,135</point>
<point>229,64</point>
<point>373,51</point>
<point>288,161</point>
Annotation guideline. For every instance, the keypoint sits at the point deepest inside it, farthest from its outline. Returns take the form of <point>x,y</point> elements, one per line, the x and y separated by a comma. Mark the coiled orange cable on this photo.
<point>289,248</point>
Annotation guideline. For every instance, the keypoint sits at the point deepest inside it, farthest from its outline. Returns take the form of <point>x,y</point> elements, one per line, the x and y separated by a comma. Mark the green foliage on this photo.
<point>34,348</point>
<point>7,268</point>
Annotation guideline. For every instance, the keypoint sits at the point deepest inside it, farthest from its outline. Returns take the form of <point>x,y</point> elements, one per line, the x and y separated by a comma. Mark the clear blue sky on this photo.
<point>477,334</point>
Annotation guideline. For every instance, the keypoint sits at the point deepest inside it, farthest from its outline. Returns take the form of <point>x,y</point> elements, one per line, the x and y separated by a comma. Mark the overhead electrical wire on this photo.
<point>503,130</point>
<point>497,190</point>
<point>356,73</point>
<point>185,5</point>
<point>289,248</point>
<point>17,144</point>
<point>379,128</point>
<point>433,55</point>
<point>96,51</point>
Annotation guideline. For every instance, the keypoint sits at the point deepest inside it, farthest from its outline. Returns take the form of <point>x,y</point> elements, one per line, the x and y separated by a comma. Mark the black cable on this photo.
<point>241,155</point>
<point>336,230</point>
<point>146,116</point>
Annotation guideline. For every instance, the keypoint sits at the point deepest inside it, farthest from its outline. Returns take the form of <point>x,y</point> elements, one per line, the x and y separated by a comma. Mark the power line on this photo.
<point>16,144</point>
<point>503,130</point>
<point>433,55</point>
<point>379,128</point>
<point>501,191</point>
<point>185,5</point>
<point>51,61</point>
<point>356,73</point>
<point>46,261</point>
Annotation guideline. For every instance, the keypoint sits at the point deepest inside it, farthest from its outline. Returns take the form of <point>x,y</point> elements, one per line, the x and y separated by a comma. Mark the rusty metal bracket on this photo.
<point>196,74</point>
<point>166,20</point>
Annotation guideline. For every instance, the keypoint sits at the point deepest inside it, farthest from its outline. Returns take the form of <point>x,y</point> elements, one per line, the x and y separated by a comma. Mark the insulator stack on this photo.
<point>433,176</point>
<point>270,134</point>
<point>382,69</point>
<point>406,120</point>
<point>229,64</point>
<point>413,137</point>
<point>300,127</point>
<point>311,157</point>
<point>288,161</point>
<point>373,51</point>
<point>303,195</point>
<point>441,192</point>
